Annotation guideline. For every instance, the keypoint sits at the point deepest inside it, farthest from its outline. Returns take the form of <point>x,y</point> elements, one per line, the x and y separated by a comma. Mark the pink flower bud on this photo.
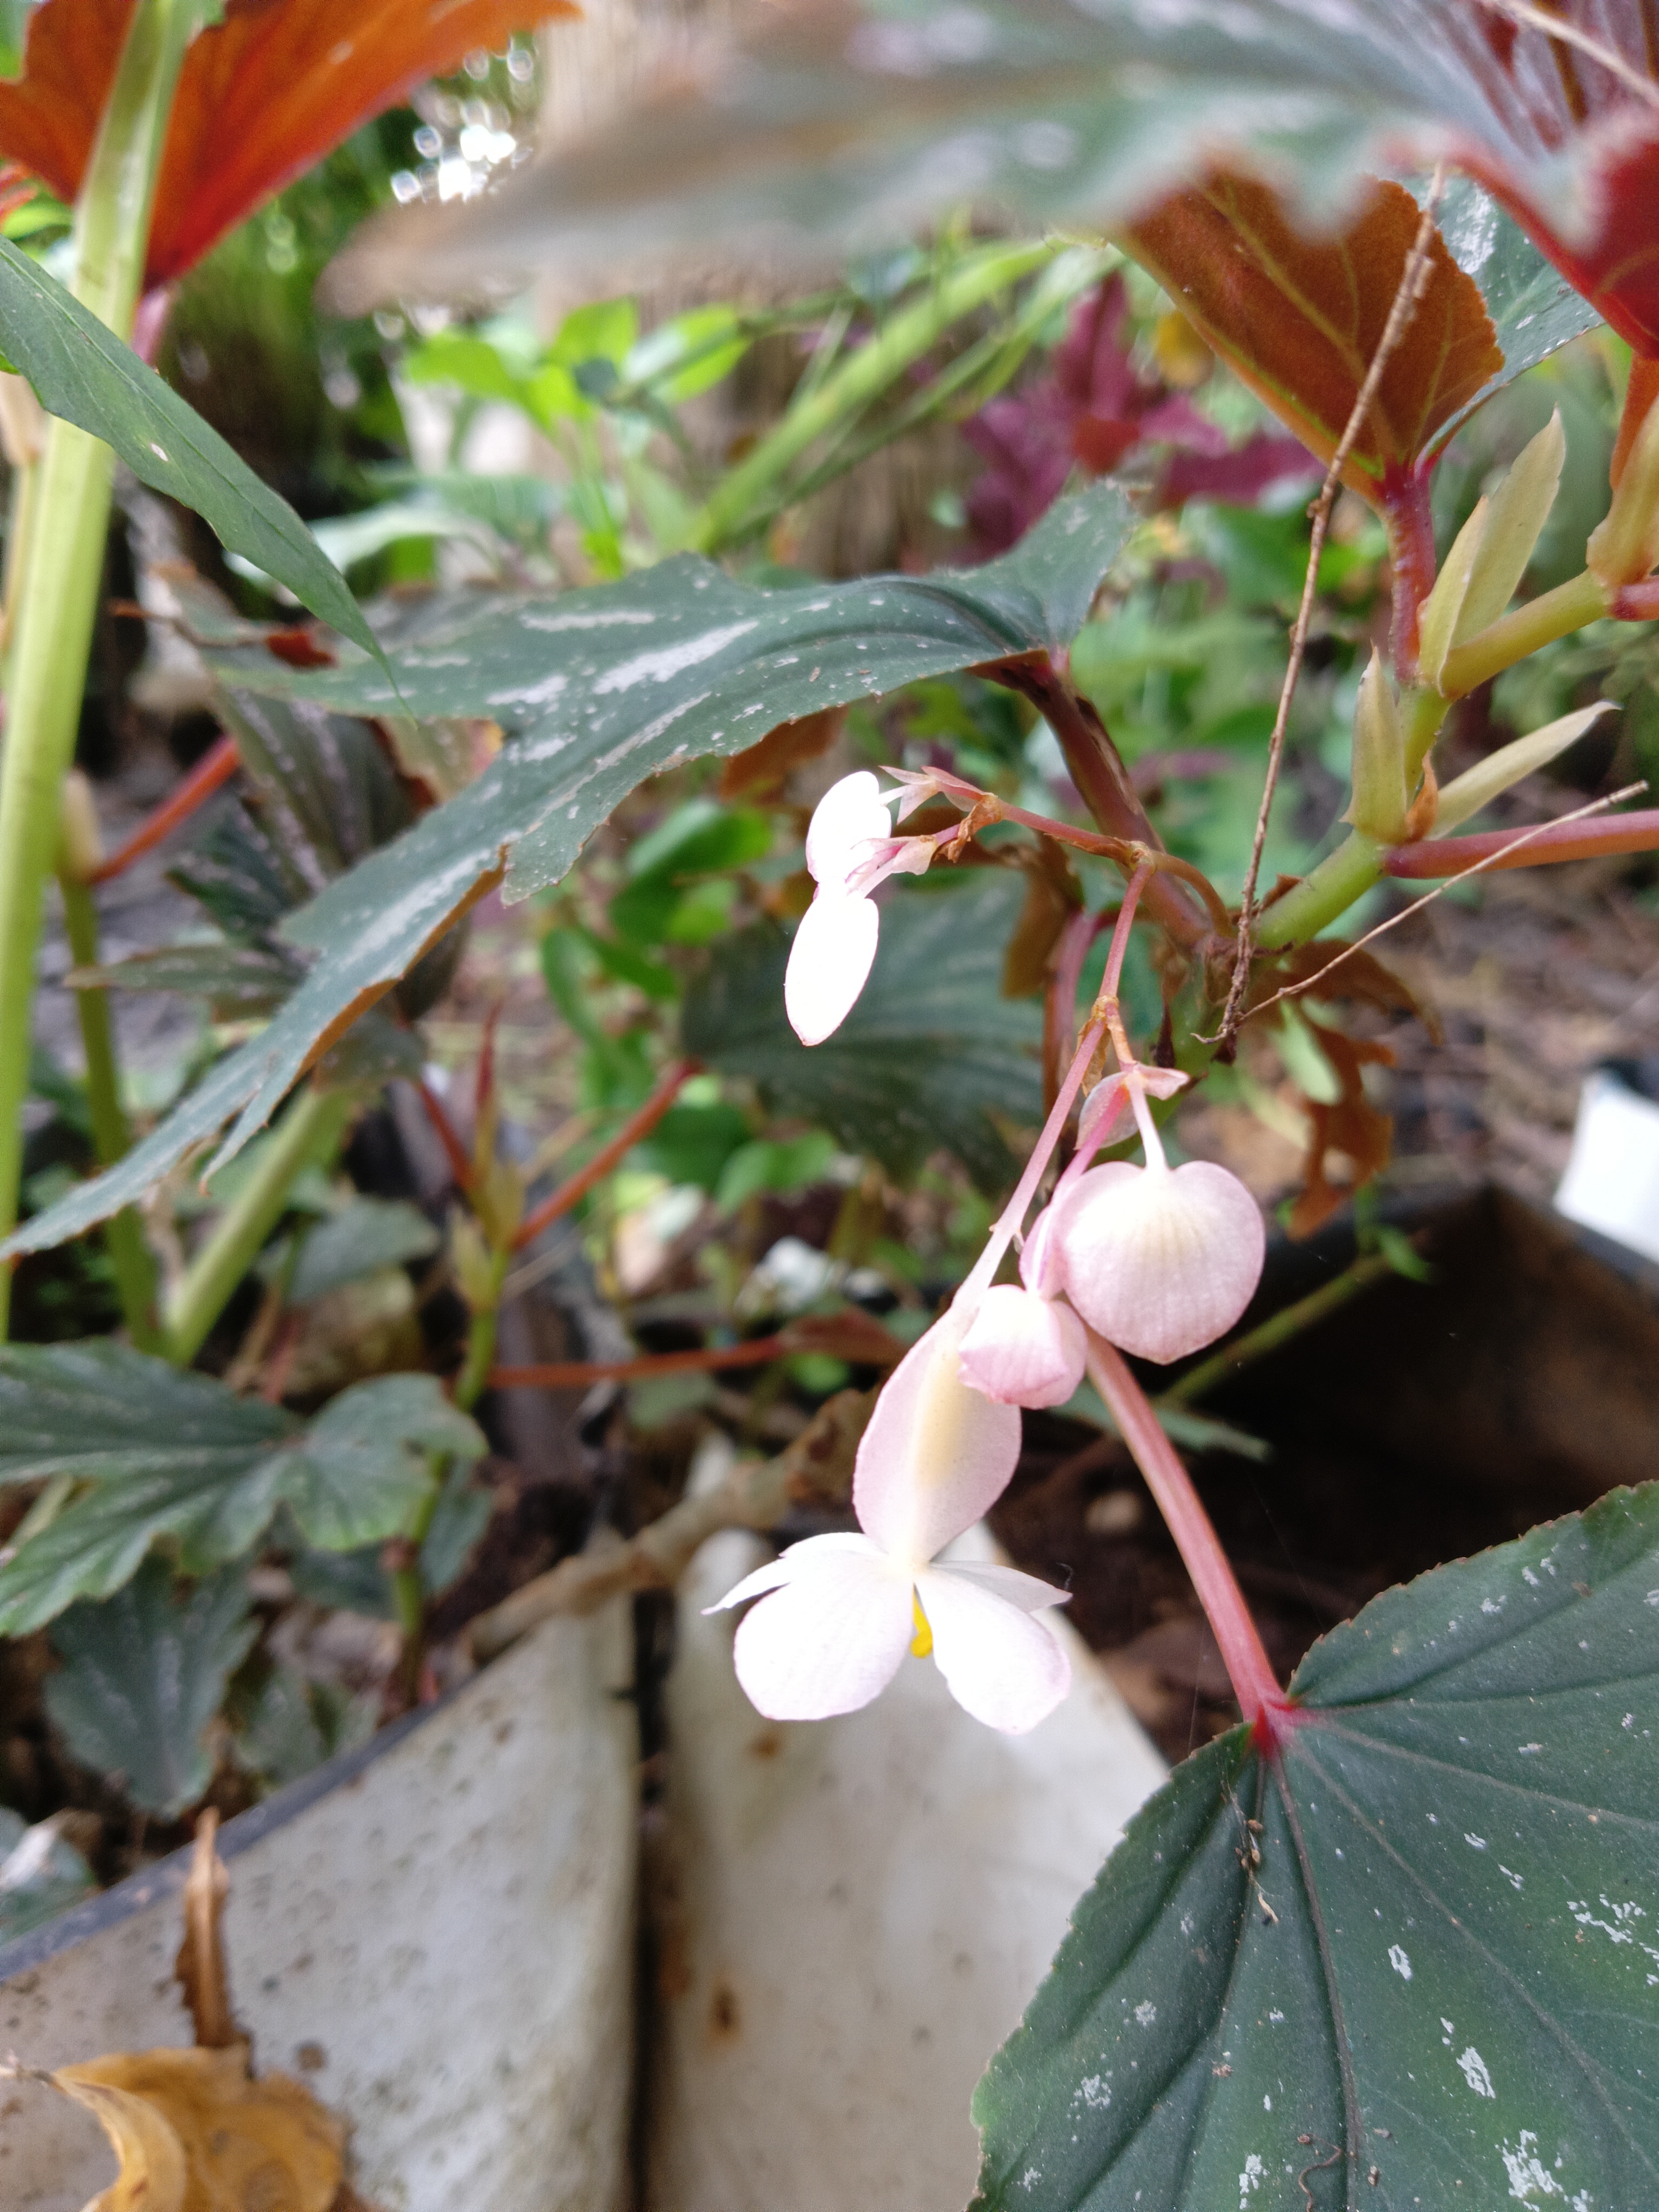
<point>1160,1260</point>
<point>1022,1349</point>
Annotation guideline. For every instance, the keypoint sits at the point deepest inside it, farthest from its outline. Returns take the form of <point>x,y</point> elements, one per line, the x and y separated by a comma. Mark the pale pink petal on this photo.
<point>849,815</point>
<point>1029,1592</point>
<point>831,957</point>
<point>1160,1261</point>
<point>1022,1350</point>
<point>788,1566</point>
<point>1040,1268</point>
<point>936,1455</point>
<point>830,1640</point>
<point>1006,1667</point>
<point>892,856</point>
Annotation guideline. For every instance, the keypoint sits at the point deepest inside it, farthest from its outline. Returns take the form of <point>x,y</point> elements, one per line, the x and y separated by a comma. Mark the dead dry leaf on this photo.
<point>194,2132</point>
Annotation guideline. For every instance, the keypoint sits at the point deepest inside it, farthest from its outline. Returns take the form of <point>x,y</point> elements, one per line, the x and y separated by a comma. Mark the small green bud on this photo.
<point>1518,510</point>
<point>1624,548</point>
<point>1377,808</point>
<point>474,1263</point>
<point>1466,794</point>
<point>1439,614</point>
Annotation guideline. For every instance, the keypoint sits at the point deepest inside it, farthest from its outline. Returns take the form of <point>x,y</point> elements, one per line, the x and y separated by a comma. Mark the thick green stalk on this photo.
<point>748,490</point>
<point>1540,621</point>
<point>309,1131</point>
<point>1341,878</point>
<point>135,1268</point>
<point>65,553</point>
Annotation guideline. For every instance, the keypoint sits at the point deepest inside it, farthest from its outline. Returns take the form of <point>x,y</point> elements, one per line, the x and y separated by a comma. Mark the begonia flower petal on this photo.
<point>791,1563</point>
<point>831,957</point>
<point>936,1455</point>
<point>1022,1349</point>
<point>1003,1665</point>
<point>1160,1261</point>
<point>849,815</point>
<point>830,1640</point>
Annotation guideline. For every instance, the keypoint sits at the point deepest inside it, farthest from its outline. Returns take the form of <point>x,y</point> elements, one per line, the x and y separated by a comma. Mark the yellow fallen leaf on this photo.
<point>195,2133</point>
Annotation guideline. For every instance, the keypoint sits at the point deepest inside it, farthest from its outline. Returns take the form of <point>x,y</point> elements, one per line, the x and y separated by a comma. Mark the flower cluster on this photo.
<point>1155,1259</point>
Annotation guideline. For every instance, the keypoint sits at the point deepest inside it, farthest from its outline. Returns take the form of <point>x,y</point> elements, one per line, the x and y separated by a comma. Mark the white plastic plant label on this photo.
<point>1612,1182</point>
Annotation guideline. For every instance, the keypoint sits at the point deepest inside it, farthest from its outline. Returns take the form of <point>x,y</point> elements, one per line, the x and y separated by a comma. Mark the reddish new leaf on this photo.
<point>1298,317</point>
<point>263,95</point>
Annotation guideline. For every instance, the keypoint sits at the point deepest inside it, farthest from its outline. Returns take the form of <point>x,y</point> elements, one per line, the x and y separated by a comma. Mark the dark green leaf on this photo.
<point>462,1515</point>
<point>1429,1976</point>
<point>929,1060</point>
<point>238,979</point>
<point>1534,311</point>
<point>162,1455</point>
<point>601,689</point>
<point>82,372</point>
<point>40,1875</point>
<point>368,1234</point>
<point>141,1676</point>
<point>364,1466</point>
<point>692,1143</point>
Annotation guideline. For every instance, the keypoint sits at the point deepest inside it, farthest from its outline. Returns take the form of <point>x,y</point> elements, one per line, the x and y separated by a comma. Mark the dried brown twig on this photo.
<point>1412,281</point>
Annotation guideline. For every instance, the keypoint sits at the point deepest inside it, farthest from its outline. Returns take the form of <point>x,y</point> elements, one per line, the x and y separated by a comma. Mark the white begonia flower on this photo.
<point>837,1614</point>
<point>850,848</point>
<point>1160,1260</point>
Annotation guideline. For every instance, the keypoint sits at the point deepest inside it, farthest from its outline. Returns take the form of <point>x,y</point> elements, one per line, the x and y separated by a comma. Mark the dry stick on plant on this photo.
<point>1568,34</point>
<point>816,1469</point>
<point>1499,859</point>
<point>1412,281</point>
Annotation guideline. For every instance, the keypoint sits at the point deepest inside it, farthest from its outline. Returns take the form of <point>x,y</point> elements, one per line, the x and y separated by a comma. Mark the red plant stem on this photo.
<point>1410,526</point>
<point>637,1126</point>
<point>575,1374</point>
<point>1636,832</point>
<point>1123,922</point>
<point>454,1151</point>
<point>1640,395</point>
<point>1060,1010</point>
<point>216,766</point>
<point>1096,768</point>
<point>1256,1686</point>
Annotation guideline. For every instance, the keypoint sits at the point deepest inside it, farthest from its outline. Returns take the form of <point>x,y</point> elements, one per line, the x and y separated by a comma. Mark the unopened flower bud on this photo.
<point>1160,1261</point>
<point>1377,808</point>
<point>1022,1349</point>
<point>1624,546</point>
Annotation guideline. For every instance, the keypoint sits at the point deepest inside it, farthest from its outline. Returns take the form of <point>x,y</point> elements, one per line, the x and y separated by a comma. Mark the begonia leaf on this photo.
<point>157,1454</point>
<point>843,116</point>
<point>1298,317</point>
<point>930,1059</point>
<point>140,1676</point>
<point>81,371</point>
<point>1409,1960</point>
<point>597,690</point>
<point>263,93</point>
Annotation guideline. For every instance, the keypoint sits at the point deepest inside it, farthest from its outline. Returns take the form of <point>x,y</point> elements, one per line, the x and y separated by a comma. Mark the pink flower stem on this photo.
<point>1269,1712</point>
<point>1075,938</point>
<point>1102,1016</point>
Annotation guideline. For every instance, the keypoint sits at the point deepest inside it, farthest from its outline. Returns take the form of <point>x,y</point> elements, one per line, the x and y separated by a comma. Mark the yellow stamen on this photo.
<point>923,1642</point>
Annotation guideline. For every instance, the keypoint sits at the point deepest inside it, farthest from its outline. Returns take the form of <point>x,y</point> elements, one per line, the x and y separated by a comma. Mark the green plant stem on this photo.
<point>309,1131</point>
<point>1332,888</point>
<point>129,1255</point>
<point>64,555</point>
<point>1552,615</point>
<point>1280,1328</point>
<point>408,1583</point>
<point>739,501</point>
